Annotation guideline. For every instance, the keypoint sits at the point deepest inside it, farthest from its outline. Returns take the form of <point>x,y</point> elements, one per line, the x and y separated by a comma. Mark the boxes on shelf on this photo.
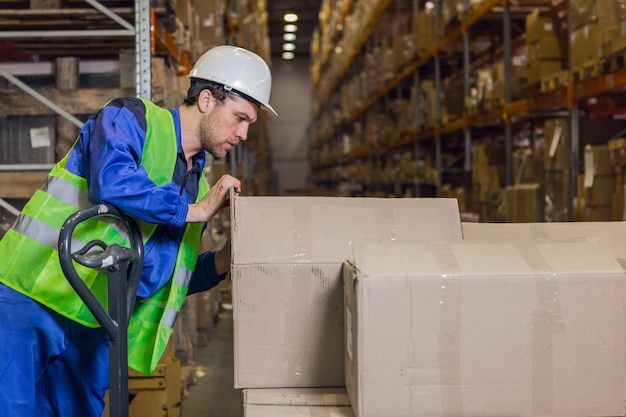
<point>558,195</point>
<point>528,165</point>
<point>617,154</point>
<point>546,46</point>
<point>423,28</point>
<point>287,294</point>
<point>542,68</point>
<point>524,203</point>
<point>205,23</point>
<point>474,328</point>
<point>585,46</point>
<point>27,140</point>
<point>487,178</point>
<point>604,12</point>
<point>538,26</point>
<point>597,185</point>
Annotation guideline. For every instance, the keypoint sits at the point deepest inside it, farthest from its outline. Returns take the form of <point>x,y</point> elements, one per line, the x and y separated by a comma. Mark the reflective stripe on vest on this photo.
<point>41,232</point>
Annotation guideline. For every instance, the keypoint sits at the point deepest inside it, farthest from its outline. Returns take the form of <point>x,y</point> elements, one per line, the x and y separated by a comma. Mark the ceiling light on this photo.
<point>291,17</point>
<point>291,28</point>
<point>430,5</point>
<point>289,37</point>
<point>289,46</point>
<point>288,55</point>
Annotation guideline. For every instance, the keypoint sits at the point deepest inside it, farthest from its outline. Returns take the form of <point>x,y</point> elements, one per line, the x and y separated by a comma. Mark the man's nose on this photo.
<point>242,132</point>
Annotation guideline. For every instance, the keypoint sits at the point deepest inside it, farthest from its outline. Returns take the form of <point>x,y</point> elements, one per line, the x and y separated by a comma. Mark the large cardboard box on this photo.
<point>484,329</point>
<point>287,282</point>
<point>286,402</point>
<point>524,203</point>
<point>538,26</point>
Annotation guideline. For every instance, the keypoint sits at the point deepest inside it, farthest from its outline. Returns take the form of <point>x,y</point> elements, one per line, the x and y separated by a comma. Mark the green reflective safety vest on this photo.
<point>30,260</point>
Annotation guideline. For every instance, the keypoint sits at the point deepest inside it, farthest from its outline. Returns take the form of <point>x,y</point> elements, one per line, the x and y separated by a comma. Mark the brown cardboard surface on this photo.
<point>612,235</point>
<point>332,396</point>
<point>255,410</point>
<point>484,329</point>
<point>547,47</point>
<point>538,26</point>
<point>524,203</point>
<point>286,275</point>
<point>538,69</point>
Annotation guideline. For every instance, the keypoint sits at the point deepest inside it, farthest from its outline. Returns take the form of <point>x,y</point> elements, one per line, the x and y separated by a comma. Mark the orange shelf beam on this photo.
<point>163,42</point>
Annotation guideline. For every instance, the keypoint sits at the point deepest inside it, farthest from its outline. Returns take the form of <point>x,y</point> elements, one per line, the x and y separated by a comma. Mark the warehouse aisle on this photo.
<point>213,394</point>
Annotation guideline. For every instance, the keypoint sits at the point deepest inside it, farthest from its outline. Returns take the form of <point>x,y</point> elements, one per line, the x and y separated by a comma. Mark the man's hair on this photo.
<point>197,85</point>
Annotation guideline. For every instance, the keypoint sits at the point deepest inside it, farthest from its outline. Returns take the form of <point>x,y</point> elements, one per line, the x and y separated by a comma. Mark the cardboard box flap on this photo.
<point>297,396</point>
<point>612,235</point>
<point>484,258</point>
<point>271,230</point>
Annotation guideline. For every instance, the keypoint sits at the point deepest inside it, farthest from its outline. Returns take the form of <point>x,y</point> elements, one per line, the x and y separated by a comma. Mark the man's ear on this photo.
<point>205,100</point>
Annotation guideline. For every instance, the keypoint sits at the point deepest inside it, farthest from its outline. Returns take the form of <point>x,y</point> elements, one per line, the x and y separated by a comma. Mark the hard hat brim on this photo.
<point>269,109</point>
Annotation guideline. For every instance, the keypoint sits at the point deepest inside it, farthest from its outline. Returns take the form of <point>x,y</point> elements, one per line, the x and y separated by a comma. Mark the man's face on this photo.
<point>226,124</point>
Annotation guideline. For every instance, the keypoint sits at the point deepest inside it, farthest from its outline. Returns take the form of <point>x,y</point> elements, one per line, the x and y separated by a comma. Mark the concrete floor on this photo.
<point>213,394</point>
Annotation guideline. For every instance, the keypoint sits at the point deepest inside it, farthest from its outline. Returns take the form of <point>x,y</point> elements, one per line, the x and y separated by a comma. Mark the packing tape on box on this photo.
<point>539,231</point>
<point>302,225</point>
<point>451,301</point>
<point>547,321</point>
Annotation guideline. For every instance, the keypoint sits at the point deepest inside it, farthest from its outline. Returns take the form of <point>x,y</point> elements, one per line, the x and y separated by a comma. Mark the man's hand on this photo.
<point>216,198</point>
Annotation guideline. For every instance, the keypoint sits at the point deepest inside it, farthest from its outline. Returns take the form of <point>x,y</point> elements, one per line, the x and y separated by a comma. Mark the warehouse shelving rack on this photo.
<point>150,38</point>
<point>564,99</point>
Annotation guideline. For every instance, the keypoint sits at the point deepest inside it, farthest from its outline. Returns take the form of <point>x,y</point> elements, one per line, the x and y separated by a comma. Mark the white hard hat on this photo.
<point>239,70</point>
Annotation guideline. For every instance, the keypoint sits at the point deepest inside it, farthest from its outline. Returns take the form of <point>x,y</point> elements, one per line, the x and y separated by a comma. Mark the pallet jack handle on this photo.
<point>123,266</point>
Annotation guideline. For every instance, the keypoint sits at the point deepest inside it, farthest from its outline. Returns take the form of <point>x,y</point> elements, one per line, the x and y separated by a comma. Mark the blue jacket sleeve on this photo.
<point>115,176</point>
<point>205,276</point>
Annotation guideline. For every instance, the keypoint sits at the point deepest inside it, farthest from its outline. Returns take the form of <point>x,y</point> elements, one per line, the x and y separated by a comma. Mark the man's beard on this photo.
<point>208,137</point>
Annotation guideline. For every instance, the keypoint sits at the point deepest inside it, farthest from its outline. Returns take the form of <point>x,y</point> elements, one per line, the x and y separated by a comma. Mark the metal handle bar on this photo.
<point>110,257</point>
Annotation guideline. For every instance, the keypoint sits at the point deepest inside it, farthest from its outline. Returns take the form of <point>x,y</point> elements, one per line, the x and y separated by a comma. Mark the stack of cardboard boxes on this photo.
<point>487,179</point>
<point>617,154</point>
<point>393,307</point>
<point>596,186</point>
<point>423,29</point>
<point>597,30</point>
<point>546,46</point>
<point>287,279</point>
<point>524,201</point>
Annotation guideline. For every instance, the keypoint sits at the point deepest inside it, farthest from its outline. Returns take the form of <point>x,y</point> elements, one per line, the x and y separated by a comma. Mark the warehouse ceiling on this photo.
<point>308,19</point>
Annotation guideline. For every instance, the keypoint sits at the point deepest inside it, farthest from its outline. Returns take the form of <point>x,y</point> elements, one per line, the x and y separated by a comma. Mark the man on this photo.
<point>148,162</point>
